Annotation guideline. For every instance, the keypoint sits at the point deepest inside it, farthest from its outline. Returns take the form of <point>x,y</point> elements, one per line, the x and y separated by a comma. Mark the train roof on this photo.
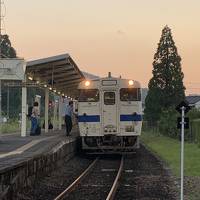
<point>135,83</point>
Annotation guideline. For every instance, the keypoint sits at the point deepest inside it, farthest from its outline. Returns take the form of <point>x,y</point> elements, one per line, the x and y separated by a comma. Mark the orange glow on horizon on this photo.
<point>101,36</point>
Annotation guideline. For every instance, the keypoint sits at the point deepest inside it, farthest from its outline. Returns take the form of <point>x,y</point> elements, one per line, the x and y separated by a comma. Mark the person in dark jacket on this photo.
<point>68,117</point>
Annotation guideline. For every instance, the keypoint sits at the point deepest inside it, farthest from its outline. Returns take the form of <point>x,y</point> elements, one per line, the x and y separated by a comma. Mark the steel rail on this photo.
<point>76,182</point>
<point>113,190</point>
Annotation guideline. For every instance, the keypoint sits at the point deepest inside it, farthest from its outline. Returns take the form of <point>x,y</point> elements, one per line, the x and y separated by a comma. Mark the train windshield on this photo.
<point>130,94</point>
<point>89,95</point>
<point>109,98</point>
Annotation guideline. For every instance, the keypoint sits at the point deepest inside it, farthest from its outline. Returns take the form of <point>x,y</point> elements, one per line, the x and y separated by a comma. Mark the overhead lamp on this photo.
<point>54,90</point>
<point>58,92</point>
<point>130,82</point>
<point>50,88</point>
<point>37,82</point>
<point>30,78</point>
<point>45,85</point>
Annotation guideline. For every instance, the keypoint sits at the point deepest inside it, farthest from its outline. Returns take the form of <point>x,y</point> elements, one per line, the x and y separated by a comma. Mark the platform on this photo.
<point>15,149</point>
<point>25,159</point>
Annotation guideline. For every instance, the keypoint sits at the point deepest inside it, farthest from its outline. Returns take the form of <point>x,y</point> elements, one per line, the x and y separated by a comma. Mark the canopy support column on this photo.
<point>60,113</point>
<point>54,114</point>
<point>23,117</point>
<point>46,114</point>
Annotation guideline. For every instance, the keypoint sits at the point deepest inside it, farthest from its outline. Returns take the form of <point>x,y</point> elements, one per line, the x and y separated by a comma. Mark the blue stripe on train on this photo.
<point>136,117</point>
<point>88,118</point>
<point>96,118</point>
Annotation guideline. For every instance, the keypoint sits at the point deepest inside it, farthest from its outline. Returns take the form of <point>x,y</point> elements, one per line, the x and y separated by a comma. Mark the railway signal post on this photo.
<point>182,108</point>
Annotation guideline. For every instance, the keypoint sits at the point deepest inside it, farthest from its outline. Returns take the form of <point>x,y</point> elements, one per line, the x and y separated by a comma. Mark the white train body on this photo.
<point>110,114</point>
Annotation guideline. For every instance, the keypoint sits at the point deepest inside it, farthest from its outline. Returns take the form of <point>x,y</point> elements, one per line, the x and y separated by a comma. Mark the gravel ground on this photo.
<point>50,186</point>
<point>145,178</point>
<point>191,188</point>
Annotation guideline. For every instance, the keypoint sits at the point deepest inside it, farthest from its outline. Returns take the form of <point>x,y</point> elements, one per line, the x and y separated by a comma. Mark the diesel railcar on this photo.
<point>109,114</point>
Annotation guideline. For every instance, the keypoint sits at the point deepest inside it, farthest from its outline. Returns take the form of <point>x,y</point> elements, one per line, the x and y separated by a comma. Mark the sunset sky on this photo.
<point>120,36</point>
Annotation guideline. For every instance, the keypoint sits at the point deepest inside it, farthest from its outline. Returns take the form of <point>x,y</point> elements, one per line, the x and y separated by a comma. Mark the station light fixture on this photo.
<point>30,78</point>
<point>50,88</point>
<point>45,85</point>
<point>58,92</point>
<point>37,82</point>
<point>130,82</point>
<point>87,83</point>
<point>54,90</point>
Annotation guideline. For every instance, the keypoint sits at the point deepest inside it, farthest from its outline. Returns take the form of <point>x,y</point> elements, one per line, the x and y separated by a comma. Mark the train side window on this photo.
<point>109,98</point>
<point>130,94</point>
<point>89,95</point>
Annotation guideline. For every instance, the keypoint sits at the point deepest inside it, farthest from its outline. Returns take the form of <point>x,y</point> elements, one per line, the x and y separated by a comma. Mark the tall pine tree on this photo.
<point>166,87</point>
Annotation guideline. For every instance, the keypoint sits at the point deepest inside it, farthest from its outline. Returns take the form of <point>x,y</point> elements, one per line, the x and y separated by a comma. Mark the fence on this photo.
<point>194,132</point>
<point>191,135</point>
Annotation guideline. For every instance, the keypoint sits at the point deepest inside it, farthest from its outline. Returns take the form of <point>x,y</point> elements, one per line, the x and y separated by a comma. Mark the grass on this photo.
<point>12,126</point>
<point>168,149</point>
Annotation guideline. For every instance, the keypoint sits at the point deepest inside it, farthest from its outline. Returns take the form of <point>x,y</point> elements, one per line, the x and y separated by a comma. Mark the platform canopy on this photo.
<point>59,73</point>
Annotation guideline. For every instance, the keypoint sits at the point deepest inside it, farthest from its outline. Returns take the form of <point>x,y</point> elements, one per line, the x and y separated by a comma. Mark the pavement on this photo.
<point>15,149</point>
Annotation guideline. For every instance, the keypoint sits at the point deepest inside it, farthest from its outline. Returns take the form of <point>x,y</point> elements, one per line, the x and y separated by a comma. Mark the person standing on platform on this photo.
<point>68,117</point>
<point>34,118</point>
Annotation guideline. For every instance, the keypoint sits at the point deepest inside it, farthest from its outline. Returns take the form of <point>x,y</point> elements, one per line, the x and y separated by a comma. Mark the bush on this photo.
<point>168,123</point>
<point>11,126</point>
<point>195,131</point>
<point>193,134</point>
<point>193,114</point>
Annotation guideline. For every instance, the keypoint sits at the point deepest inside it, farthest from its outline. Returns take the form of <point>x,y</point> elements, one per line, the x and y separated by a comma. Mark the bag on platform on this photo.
<point>38,130</point>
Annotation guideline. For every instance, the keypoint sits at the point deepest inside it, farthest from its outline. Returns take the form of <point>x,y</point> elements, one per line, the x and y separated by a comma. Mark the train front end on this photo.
<point>109,115</point>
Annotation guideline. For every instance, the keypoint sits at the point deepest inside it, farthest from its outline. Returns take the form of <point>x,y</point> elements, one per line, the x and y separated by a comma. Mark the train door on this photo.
<point>109,105</point>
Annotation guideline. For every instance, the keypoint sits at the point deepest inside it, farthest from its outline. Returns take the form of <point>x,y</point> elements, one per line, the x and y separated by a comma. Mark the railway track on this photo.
<point>141,175</point>
<point>99,181</point>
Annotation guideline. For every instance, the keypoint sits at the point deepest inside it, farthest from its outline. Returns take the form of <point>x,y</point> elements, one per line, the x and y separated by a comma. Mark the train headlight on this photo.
<point>130,82</point>
<point>87,83</point>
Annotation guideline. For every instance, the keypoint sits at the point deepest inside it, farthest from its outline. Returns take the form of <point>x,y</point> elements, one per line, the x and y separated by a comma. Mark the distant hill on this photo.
<point>90,76</point>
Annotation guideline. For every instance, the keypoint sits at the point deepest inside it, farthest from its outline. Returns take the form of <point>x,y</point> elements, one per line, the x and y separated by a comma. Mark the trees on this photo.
<point>166,87</point>
<point>7,51</point>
